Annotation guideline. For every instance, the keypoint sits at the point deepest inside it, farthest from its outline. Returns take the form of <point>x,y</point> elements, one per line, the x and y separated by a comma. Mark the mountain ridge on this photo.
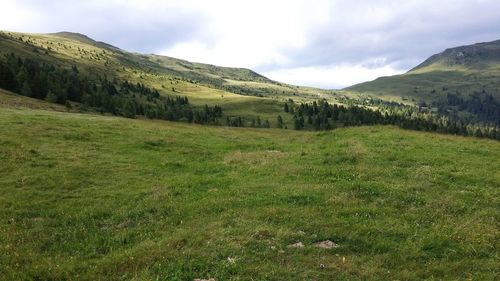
<point>466,55</point>
<point>209,68</point>
<point>83,39</point>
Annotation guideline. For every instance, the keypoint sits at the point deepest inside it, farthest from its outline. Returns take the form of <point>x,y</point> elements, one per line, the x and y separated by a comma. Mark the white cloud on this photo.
<point>330,77</point>
<point>249,33</point>
<point>17,17</point>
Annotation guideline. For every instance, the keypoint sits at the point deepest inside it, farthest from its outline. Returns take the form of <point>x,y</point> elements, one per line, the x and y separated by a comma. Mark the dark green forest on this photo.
<point>324,116</point>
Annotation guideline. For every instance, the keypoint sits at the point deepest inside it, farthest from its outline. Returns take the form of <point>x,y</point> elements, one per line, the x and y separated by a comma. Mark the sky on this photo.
<point>320,43</point>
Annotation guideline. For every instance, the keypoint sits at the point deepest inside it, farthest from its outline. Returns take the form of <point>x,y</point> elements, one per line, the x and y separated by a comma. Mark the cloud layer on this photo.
<point>320,43</point>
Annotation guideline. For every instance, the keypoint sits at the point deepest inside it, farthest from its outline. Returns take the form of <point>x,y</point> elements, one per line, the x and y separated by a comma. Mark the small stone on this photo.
<point>297,245</point>
<point>327,244</point>
<point>321,266</point>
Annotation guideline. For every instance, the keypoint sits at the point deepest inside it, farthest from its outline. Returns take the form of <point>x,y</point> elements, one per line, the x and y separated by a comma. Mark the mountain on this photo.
<point>463,70</point>
<point>478,56</point>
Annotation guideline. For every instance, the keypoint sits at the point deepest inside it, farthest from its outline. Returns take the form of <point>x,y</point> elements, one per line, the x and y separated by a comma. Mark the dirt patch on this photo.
<point>298,245</point>
<point>327,244</point>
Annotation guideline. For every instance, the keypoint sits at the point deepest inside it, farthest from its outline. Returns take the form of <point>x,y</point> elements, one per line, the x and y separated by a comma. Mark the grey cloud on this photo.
<point>141,30</point>
<point>402,40</point>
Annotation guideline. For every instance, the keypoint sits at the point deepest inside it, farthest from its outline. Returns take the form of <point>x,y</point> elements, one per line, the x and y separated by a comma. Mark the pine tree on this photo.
<point>478,133</point>
<point>26,89</point>
<point>280,121</point>
<point>129,109</point>
<point>266,124</point>
<point>297,125</point>
<point>51,97</point>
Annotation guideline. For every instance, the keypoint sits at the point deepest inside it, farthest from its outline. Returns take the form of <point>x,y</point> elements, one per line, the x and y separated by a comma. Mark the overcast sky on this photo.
<point>329,44</point>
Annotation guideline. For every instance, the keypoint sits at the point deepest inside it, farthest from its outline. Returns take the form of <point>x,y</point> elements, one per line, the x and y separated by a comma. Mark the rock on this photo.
<point>298,245</point>
<point>327,244</point>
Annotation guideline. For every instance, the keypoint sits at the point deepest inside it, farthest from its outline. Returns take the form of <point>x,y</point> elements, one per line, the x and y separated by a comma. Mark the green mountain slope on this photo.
<point>464,69</point>
<point>462,81</point>
<point>481,56</point>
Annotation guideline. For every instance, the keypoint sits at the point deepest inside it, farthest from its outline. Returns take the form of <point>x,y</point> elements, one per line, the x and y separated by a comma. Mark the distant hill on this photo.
<point>478,56</point>
<point>465,69</point>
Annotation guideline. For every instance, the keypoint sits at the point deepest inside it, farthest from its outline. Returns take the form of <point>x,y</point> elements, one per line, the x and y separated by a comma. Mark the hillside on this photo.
<point>465,69</point>
<point>92,197</point>
<point>479,56</point>
<point>80,50</point>
<point>464,79</point>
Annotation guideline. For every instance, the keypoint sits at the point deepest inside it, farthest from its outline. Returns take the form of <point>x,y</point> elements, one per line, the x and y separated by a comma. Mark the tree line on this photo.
<point>324,116</point>
<point>481,106</point>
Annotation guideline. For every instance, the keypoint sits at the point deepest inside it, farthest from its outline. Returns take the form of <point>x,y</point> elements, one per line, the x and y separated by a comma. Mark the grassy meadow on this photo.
<point>90,197</point>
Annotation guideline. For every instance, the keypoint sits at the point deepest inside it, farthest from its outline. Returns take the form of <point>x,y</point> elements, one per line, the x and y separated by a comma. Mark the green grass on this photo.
<point>87,197</point>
